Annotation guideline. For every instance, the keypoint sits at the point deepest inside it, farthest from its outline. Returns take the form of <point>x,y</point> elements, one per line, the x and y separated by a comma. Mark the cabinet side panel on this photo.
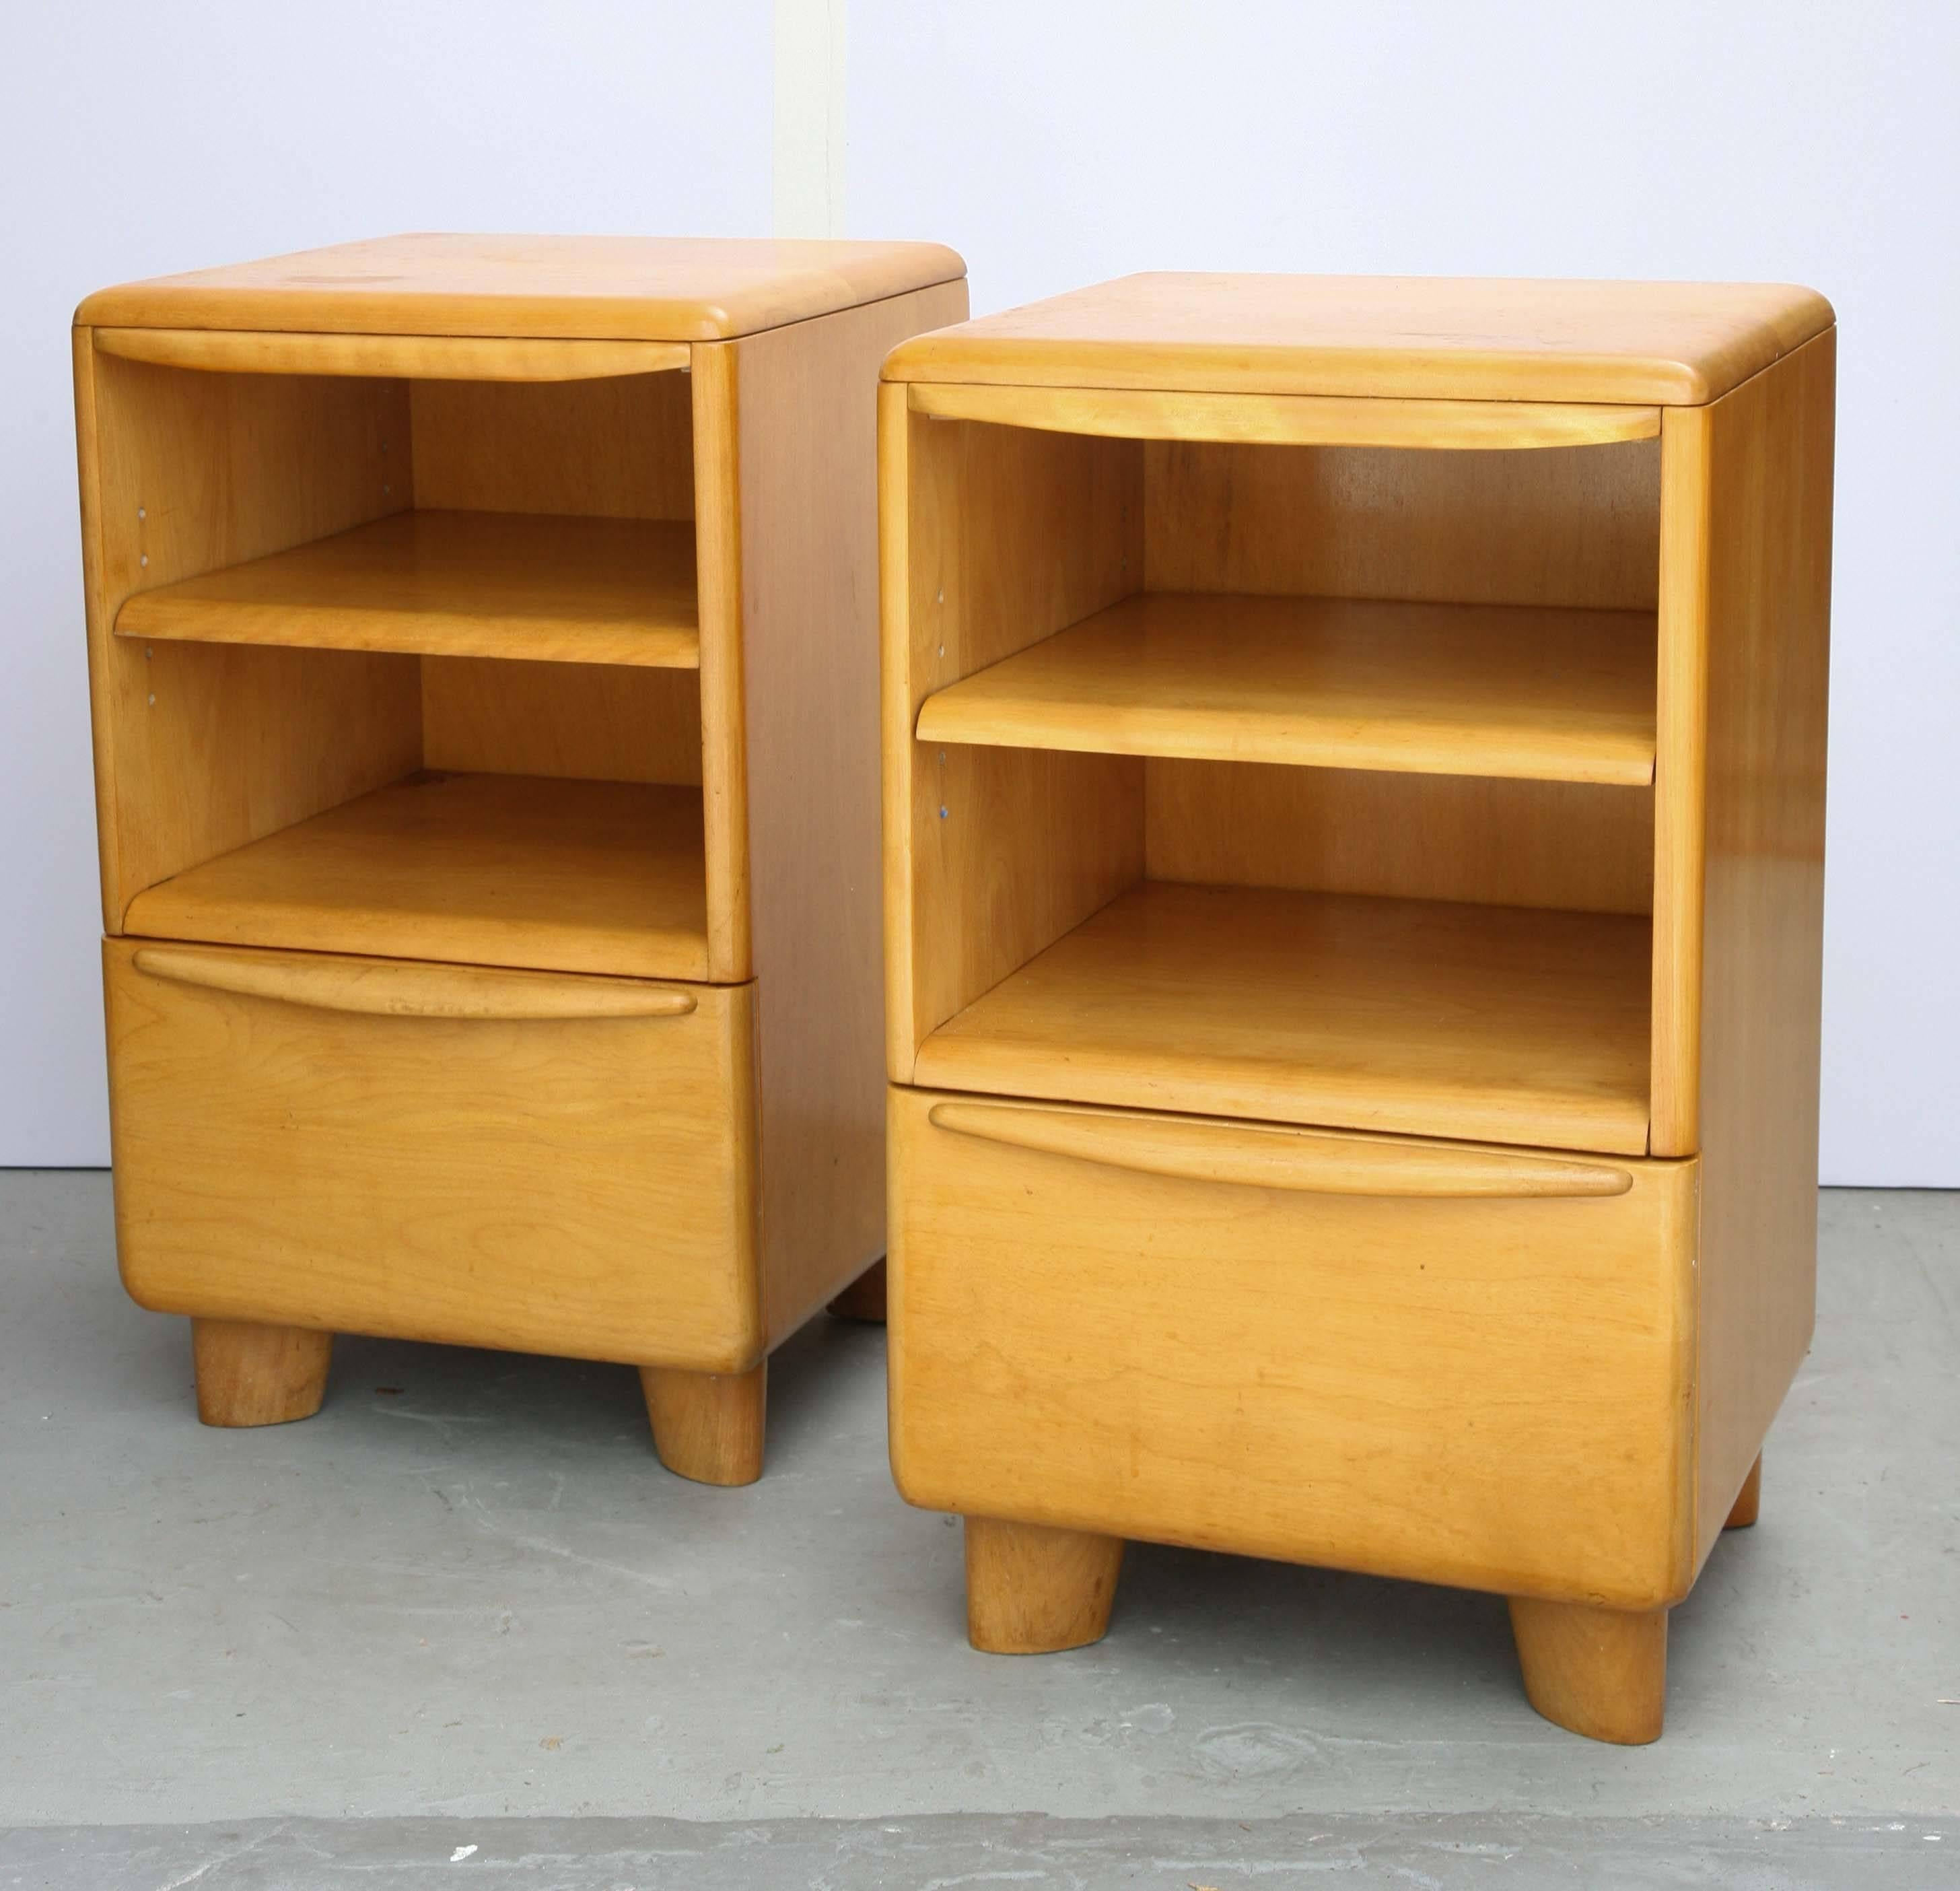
<point>1769,603</point>
<point>1011,534</point>
<point>214,746</point>
<point>808,456</point>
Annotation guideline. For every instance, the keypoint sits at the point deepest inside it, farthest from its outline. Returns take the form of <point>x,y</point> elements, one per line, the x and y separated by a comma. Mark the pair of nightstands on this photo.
<point>1353,788</point>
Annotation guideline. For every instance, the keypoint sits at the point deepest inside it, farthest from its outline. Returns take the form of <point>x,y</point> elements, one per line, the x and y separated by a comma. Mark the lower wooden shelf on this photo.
<point>1493,1023</point>
<point>557,875</point>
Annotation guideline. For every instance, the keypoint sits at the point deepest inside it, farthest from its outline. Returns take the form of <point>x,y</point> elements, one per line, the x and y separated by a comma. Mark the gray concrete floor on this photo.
<point>464,1606</point>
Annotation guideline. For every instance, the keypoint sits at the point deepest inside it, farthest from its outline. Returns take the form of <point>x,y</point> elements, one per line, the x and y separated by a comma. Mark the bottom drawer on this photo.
<point>1459,1364</point>
<point>546,1162</point>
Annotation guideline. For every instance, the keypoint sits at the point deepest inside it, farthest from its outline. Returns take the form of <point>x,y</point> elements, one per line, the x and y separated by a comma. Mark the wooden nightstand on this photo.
<point>1354,822</point>
<point>483,656</point>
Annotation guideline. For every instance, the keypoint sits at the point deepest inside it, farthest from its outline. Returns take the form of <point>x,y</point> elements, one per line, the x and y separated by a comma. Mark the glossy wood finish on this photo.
<point>992,538</point>
<point>494,704</point>
<point>708,1426</point>
<point>385,988</point>
<point>560,1174</point>
<point>454,583</point>
<point>412,357</point>
<point>474,869</point>
<point>1319,682</point>
<point>807,405</point>
<point>1087,1335</point>
<point>1156,819</point>
<point>1261,1155</point>
<point>1598,1672</point>
<point>1492,841</point>
<point>1034,1590</point>
<point>252,1374</point>
<point>1749,1500</point>
<point>649,288</point>
<point>1478,1022</point>
<point>1768,628</point>
<point>164,498</point>
<point>1382,337</point>
<point>1571,528</point>
<point>1266,419</point>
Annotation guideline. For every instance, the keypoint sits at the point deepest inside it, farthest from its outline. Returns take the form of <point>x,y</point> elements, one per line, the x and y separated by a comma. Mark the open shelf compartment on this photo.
<point>1309,784</point>
<point>407,667</point>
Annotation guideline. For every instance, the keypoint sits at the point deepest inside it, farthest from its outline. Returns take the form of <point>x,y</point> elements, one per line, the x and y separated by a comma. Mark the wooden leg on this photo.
<point>1599,1672</point>
<point>864,1298</point>
<point>1750,1498</point>
<point>707,1425</point>
<point>251,1374</point>
<point>1031,1591</point>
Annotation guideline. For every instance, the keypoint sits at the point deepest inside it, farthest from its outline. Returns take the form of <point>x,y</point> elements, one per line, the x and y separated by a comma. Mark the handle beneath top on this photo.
<point>1312,1162</point>
<point>380,989</point>
<point>407,357</point>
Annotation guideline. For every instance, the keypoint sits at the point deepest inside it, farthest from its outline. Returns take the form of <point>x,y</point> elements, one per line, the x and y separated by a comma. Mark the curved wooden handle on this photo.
<point>408,356</point>
<point>384,990</point>
<point>1313,1161</point>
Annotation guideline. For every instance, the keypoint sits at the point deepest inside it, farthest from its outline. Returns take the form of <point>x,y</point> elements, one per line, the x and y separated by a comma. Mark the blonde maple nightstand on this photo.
<point>483,660</point>
<point>1354,819</point>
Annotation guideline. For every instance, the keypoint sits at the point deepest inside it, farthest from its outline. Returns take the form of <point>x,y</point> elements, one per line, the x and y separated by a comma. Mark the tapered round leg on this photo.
<point>1750,1498</point>
<point>1031,1591</point>
<point>250,1374</point>
<point>864,1298</point>
<point>707,1425</point>
<point>1599,1672</point>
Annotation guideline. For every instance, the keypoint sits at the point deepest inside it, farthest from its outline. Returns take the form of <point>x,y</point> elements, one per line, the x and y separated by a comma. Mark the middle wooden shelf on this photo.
<point>1524,691</point>
<point>521,585</point>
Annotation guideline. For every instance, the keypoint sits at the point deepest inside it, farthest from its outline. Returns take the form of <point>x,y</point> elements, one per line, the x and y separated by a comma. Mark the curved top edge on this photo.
<point>1659,344</point>
<point>612,289</point>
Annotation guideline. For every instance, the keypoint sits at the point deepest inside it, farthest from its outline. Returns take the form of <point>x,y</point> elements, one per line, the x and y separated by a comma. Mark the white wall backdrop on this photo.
<point>1053,144</point>
<point>1057,142</point>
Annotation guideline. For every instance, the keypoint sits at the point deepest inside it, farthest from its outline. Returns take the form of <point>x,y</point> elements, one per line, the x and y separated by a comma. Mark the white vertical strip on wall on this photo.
<point>809,118</point>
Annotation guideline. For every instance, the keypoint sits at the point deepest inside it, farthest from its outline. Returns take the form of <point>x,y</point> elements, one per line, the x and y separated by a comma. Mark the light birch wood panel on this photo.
<point>583,288</point>
<point>1418,1017</point>
<point>200,750</point>
<point>1273,419</point>
<point>407,357</point>
<point>565,1184</point>
<point>1554,696</point>
<point>1400,337</point>
<point>1490,841</point>
<point>1770,454</point>
<point>1488,1392</point>
<point>806,406</point>
<point>526,587</point>
<point>590,722</point>
<point>620,448</point>
<point>473,869</point>
<point>992,537</point>
<point>1576,527</point>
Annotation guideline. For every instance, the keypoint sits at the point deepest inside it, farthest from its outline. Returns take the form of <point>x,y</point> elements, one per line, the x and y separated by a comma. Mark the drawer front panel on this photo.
<point>546,1162</point>
<point>1460,1364</point>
